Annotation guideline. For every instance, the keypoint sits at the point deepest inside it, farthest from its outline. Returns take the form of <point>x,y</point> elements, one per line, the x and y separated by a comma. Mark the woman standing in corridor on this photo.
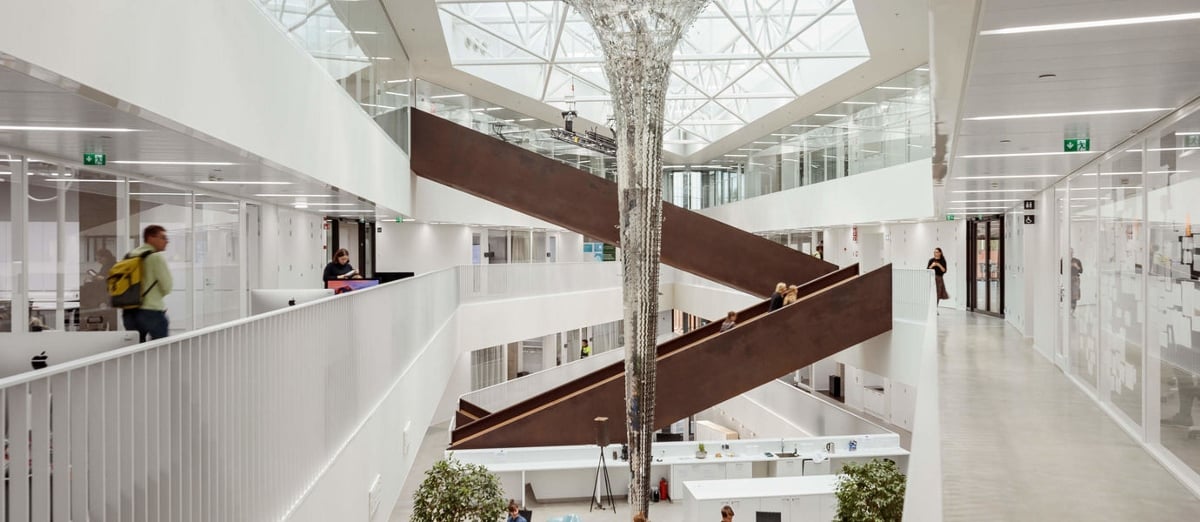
<point>938,264</point>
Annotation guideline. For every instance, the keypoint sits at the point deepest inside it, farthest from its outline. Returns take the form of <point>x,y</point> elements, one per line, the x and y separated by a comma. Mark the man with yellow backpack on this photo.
<point>139,282</point>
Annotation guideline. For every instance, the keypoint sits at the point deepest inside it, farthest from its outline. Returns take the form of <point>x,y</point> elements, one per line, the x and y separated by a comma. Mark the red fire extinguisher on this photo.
<point>663,490</point>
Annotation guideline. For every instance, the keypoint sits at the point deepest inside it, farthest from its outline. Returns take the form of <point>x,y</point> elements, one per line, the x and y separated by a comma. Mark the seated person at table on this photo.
<point>730,321</point>
<point>340,267</point>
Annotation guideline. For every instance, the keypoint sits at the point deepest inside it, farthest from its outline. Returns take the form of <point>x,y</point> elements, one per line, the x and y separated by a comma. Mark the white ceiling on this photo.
<point>1147,66</point>
<point>33,97</point>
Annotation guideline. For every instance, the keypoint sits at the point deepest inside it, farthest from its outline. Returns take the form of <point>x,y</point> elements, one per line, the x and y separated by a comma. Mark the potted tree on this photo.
<point>700,453</point>
<point>454,491</point>
<point>870,492</point>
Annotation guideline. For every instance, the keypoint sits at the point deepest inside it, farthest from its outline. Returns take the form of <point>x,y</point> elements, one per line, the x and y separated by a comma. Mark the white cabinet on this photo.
<point>681,473</point>
<point>787,468</point>
<point>739,470</point>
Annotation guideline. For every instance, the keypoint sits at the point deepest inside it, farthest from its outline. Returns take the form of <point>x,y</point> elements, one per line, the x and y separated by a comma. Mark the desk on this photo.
<point>794,498</point>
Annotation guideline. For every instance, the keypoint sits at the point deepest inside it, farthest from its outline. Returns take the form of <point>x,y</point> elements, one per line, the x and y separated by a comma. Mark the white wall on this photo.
<point>421,247</point>
<point>230,74</point>
<point>899,192</point>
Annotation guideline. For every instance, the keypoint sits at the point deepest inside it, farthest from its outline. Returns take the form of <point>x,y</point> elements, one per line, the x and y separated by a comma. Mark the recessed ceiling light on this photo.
<point>737,155</point>
<point>62,129</point>
<point>1024,154</point>
<point>160,193</point>
<point>764,143</point>
<point>234,182</point>
<point>445,96</point>
<point>293,195</point>
<point>526,119</point>
<point>344,31</point>
<point>830,115</point>
<point>890,88</point>
<point>394,93</point>
<point>807,126</point>
<point>859,103</point>
<point>1092,24</point>
<point>922,69</point>
<point>1064,114</point>
<point>388,107</point>
<point>174,163</point>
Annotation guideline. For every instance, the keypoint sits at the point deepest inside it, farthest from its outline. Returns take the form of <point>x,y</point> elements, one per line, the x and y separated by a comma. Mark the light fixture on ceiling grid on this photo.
<point>1093,24</point>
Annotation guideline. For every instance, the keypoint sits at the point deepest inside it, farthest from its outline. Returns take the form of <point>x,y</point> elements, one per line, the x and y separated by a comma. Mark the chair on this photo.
<point>527,513</point>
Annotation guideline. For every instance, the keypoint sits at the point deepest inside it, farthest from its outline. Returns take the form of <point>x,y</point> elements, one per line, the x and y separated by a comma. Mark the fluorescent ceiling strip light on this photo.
<point>1013,176</point>
<point>63,129</point>
<point>526,119</point>
<point>786,135</point>
<point>869,151</point>
<point>445,96</point>
<point>1114,22</point>
<point>975,209</point>
<point>394,93</point>
<point>1064,114</point>
<point>348,211</point>
<point>389,107</point>
<point>969,201</point>
<point>807,126</point>
<point>751,150</point>
<point>737,155</point>
<point>68,180</point>
<point>830,115</point>
<point>406,80</point>
<point>1165,149</point>
<point>319,204</point>
<point>293,195</point>
<point>160,193</point>
<point>991,190</point>
<point>890,88</point>
<point>1187,133</point>
<point>176,163</point>
<point>344,31</point>
<point>216,203</point>
<point>235,182</point>
<point>922,69</point>
<point>1024,154</point>
<point>859,103</point>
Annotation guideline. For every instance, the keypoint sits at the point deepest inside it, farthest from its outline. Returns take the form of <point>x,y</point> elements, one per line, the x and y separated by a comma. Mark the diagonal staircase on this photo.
<point>837,308</point>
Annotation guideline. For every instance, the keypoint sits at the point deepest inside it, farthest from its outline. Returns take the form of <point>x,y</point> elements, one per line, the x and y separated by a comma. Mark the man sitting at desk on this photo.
<point>514,512</point>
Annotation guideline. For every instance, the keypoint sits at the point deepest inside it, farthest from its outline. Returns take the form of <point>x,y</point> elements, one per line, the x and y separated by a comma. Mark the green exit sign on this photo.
<point>90,158</point>
<point>949,217</point>
<point>1191,140</point>
<point>1077,145</point>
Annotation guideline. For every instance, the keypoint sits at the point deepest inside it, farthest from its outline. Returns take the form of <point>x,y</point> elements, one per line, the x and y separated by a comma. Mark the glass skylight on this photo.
<point>740,61</point>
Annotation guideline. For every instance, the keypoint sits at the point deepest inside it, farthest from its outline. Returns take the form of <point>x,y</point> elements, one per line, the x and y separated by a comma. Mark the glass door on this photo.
<point>985,249</point>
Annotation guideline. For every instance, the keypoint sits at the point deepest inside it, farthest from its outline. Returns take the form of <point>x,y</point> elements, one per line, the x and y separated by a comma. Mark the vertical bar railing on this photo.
<point>231,422</point>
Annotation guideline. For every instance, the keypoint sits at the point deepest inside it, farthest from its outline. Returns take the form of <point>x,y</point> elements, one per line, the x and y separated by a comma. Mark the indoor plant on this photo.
<point>454,491</point>
<point>870,492</point>
<point>700,453</point>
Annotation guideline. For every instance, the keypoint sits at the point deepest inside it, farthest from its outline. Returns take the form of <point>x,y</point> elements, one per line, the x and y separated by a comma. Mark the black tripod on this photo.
<point>602,468</point>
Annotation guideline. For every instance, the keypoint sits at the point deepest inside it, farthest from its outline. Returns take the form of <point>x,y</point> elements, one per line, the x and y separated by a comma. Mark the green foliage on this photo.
<point>457,492</point>
<point>701,449</point>
<point>870,492</point>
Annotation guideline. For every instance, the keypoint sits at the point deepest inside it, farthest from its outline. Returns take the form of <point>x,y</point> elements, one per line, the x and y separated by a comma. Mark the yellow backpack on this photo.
<point>125,282</point>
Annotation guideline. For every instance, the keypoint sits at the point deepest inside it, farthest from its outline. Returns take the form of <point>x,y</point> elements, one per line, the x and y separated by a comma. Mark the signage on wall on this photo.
<point>855,234</point>
<point>1029,219</point>
<point>1077,145</point>
<point>949,217</point>
<point>1030,204</point>
<point>92,158</point>
<point>1191,140</point>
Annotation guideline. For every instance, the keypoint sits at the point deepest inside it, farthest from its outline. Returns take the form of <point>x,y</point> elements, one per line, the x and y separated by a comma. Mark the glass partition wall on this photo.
<point>79,223</point>
<point>1129,317</point>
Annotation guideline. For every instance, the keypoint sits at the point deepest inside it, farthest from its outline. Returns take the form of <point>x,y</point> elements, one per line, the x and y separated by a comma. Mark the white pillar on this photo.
<point>19,202</point>
<point>59,261</point>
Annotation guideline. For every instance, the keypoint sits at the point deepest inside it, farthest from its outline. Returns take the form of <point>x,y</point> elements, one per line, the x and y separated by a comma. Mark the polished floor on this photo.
<point>1020,442</point>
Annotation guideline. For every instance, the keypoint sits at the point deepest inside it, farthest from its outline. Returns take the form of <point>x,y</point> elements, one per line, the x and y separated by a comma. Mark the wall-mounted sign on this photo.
<point>1029,219</point>
<point>92,158</point>
<point>1030,204</point>
<point>1191,140</point>
<point>1077,145</point>
<point>949,217</point>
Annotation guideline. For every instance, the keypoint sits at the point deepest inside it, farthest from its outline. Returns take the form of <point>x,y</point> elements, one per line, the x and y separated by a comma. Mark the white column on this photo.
<point>243,269</point>
<point>19,202</point>
<point>60,263</point>
<point>123,246</point>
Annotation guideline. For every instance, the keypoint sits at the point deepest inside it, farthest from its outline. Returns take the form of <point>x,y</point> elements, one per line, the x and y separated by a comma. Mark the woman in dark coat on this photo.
<point>938,264</point>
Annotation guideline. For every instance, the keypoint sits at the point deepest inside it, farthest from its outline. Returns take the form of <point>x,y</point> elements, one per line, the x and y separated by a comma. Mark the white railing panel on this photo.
<point>489,282</point>
<point>912,291</point>
<point>225,423</point>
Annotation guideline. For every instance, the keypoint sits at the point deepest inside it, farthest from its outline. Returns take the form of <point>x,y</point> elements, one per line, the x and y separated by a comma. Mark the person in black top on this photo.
<point>938,264</point>
<point>340,267</point>
<point>777,297</point>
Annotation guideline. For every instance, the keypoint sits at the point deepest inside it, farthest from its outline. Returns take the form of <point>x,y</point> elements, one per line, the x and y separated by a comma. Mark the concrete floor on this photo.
<point>1019,443</point>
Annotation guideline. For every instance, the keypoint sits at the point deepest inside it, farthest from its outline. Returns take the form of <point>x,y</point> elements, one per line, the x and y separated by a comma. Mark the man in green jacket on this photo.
<point>150,319</point>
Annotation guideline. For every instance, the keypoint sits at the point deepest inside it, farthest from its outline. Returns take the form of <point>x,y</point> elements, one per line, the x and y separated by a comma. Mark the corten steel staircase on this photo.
<point>837,308</point>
